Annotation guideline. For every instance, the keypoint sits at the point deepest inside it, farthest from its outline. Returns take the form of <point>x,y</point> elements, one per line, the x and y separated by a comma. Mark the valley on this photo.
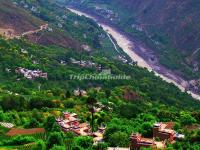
<point>70,80</point>
<point>135,50</point>
<point>160,37</point>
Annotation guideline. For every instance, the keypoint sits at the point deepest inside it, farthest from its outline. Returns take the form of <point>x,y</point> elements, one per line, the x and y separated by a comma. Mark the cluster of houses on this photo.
<point>31,74</point>
<point>125,61</point>
<point>33,9</point>
<point>90,64</point>
<point>70,122</point>
<point>86,48</point>
<point>83,63</point>
<point>61,20</point>
<point>79,92</point>
<point>107,13</point>
<point>137,27</point>
<point>27,6</point>
<point>163,131</point>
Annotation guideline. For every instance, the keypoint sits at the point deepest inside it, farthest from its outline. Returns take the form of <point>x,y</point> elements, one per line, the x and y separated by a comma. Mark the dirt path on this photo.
<point>10,33</point>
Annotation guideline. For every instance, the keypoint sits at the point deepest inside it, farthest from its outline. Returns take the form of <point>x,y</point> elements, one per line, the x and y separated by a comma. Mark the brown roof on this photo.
<point>14,131</point>
<point>147,140</point>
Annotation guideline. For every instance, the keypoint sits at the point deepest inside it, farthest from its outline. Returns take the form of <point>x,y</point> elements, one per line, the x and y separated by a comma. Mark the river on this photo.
<point>128,47</point>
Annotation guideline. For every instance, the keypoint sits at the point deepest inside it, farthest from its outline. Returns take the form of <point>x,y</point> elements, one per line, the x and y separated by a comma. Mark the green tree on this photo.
<point>119,138</point>
<point>13,102</point>
<point>36,102</point>
<point>100,146</point>
<point>126,110</point>
<point>69,139</point>
<point>146,129</point>
<point>77,147</point>
<point>32,124</point>
<point>91,102</point>
<point>84,141</point>
<point>56,128</point>
<point>2,116</point>
<point>55,138</point>
<point>19,140</point>
<point>56,147</point>
<point>40,145</point>
<point>187,119</point>
<point>49,123</point>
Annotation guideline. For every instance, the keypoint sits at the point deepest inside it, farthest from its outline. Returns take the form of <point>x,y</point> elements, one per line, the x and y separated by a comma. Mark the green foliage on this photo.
<point>40,144</point>
<point>83,142</point>
<point>126,110</point>
<point>55,138</point>
<point>146,129</point>
<point>56,128</point>
<point>49,123</point>
<point>100,146</point>
<point>38,103</point>
<point>55,147</point>
<point>119,139</point>
<point>32,124</point>
<point>187,119</point>
<point>76,147</point>
<point>69,103</point>
<point>13,103</point>
<point>18,140</point>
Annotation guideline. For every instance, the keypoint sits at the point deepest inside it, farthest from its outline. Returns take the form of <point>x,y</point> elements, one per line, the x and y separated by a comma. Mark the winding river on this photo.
<point>128,47</point>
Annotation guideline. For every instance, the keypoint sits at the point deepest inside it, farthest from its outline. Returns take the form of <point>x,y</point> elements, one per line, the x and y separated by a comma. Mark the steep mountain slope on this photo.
<point>170,28</point>
<point>167,31</point>
<point>17,19</point>
<point>179,21</point>
<point>42,77</point>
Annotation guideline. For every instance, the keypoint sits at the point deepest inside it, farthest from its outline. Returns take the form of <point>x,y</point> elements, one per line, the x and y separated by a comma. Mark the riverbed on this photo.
<point>129,47</point>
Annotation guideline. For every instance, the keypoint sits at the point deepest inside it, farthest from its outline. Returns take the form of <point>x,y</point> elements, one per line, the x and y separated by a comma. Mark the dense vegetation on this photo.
<point>36,103</point>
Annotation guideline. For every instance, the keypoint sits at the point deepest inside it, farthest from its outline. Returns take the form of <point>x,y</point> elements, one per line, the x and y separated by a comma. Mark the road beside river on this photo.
<point>130,48</point>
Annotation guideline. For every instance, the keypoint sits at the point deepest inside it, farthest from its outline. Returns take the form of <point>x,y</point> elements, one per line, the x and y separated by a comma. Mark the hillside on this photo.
<point>62,88</point>
<point>169,29</point>
<point>17,19</point>
<point>178,21</point>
